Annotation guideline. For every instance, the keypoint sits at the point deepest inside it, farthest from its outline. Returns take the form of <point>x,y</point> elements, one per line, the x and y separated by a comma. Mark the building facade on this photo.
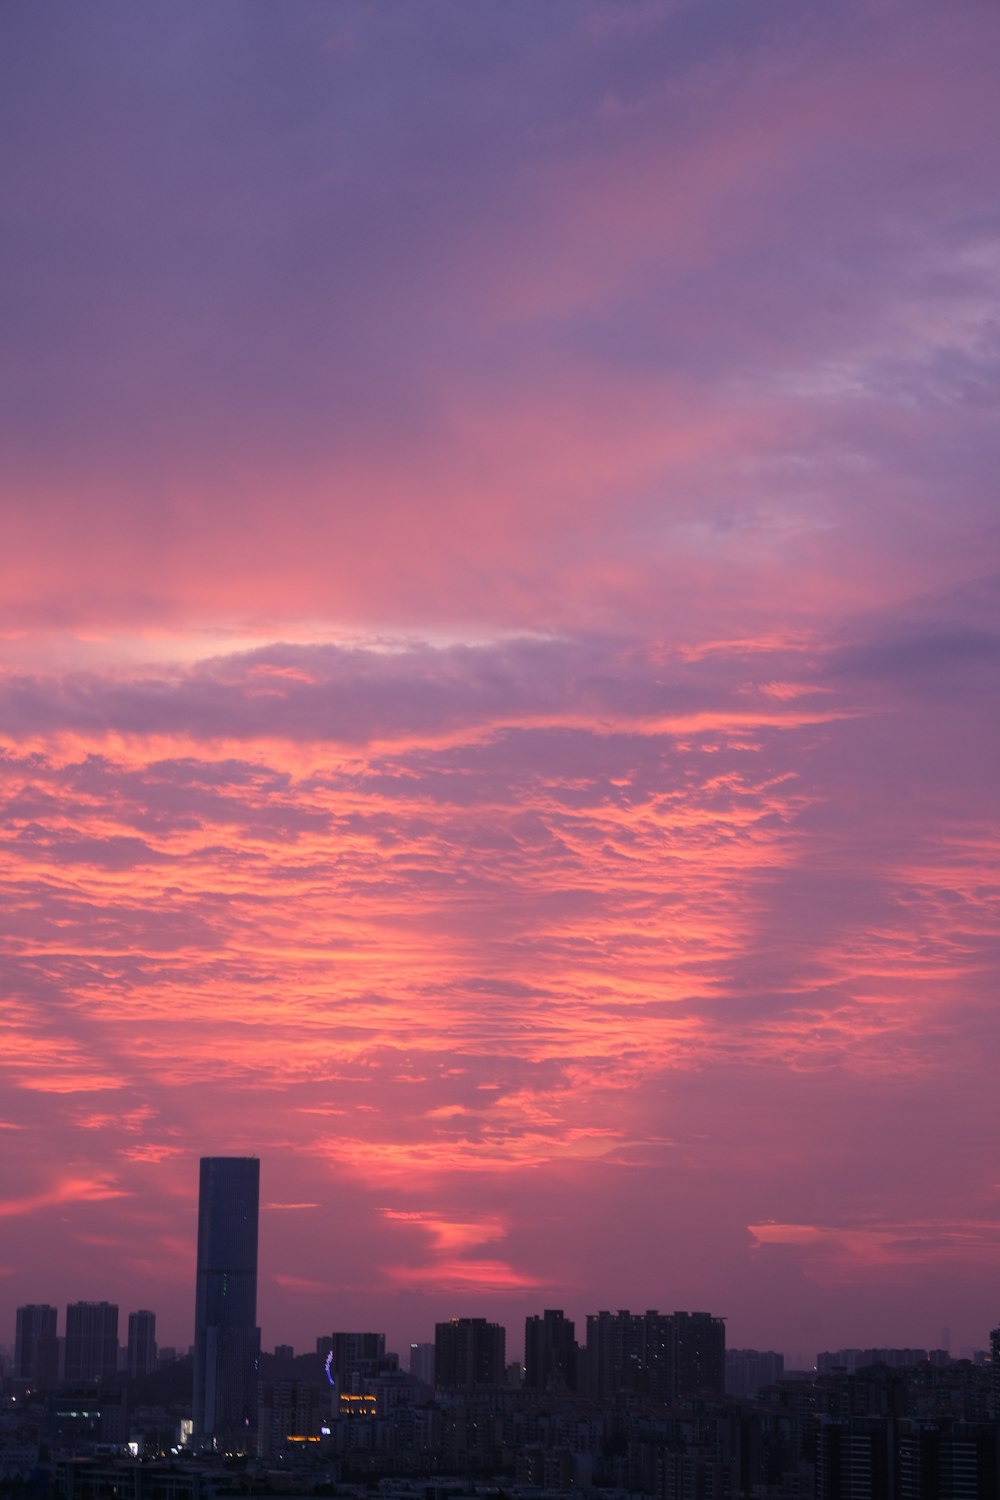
<point>660,1355</point>
<point>141,1356</point>
<point>350,1358</point>
<point>226,1336</point>
<point>469,1352</point>
<point>747,1370</point>
<point>422,1362</point>
<point>550,1352</point>
<point>91,1341</point>
<point>629,1354</point>
<point>36,1348</point>
<point>700,1354</point>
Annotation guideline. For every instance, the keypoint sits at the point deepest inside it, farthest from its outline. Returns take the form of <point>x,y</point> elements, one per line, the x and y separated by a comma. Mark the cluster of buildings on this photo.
<point>90,1349</point>
<point>660,1356</point>
<point>643,1404</point>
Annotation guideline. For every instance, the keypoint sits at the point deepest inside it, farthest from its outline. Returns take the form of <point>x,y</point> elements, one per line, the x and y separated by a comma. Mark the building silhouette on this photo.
<point>469,1352</point>
<point>629,1354</point>
<point>747,1370</point>
<point>141,1355</point>
<point>550,1352</point>
<point>422,1362</point>
<point>91,1341</point>
<point>660,1355</point>
<point>353,1357</point>
<point>700,1354</point>
<point>226,1336</point>
<point>36,1348</point>
<point>291,1412</point>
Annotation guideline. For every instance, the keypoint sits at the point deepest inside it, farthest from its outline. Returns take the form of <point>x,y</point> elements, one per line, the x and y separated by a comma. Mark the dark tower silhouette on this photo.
<point>141,1358</point>
<point>615,1356</point>
<point>701,1354</point>
<point>550,1352</point>
<point>36,1351</point>
<point>353,1356</point>
<point>661,1355</point>
<point>91,1341</point>
<point>226,1336</point>
<point>468,1352</point>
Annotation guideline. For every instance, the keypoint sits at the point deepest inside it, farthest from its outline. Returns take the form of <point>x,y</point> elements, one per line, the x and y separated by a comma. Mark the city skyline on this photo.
<point>228,1199</point>
<point>651,1404</point>
<point>499,643</point>
<point>141,1355</point>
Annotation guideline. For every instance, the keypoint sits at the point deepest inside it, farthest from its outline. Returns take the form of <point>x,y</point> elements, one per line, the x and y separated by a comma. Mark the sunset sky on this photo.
<point>500,622</point>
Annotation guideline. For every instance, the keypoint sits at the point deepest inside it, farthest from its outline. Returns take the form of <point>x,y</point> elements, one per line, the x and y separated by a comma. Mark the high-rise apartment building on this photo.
<point>141,1356</point>
<point>660,1355</point>
<point>226,1336</point>
<point>621,1348</point>
<point>747,1370</point>
<point>469,1352</point>
<point>352,1358</point>
<point>36,1348</point>
<point>289,1409</point>
<point>701,1354</point>
<point>422,1362</point>
<point>91,1341</point>
<point>550,1352</point>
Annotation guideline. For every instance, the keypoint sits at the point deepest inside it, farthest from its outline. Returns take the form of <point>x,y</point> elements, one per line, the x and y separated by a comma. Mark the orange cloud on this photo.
<point>463,1275</point>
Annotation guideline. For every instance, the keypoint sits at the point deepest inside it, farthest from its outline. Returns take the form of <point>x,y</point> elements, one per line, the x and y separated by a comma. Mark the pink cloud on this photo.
<point>861,1253</point>
<point>490,1276</point>
<point>69,1190</point>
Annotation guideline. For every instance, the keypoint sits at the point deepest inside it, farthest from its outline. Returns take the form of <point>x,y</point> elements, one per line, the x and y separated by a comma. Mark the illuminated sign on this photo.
<point>358,1406</point>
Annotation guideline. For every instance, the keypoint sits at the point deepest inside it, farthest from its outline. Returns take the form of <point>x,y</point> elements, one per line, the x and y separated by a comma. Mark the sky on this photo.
<point>499,645</point>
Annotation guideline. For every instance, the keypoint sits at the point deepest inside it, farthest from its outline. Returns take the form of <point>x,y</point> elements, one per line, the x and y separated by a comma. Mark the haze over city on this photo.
<point>499,636</point>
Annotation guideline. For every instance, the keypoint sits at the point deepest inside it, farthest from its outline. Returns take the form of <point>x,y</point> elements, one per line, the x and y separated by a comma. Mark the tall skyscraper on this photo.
<point>36,1349</point>
<point>141,1343</point>
<point>91,1341</point>
<point>226,1336</point>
